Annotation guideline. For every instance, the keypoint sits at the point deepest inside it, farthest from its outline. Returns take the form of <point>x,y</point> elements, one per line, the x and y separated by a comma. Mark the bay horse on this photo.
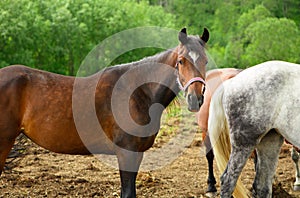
<point>40,105</point>
<point>257,109</point>
<point>214,78</point>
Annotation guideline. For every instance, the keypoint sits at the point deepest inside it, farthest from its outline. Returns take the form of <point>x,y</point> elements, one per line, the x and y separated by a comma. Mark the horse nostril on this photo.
<point>201,100</point>
<point>191,98</point>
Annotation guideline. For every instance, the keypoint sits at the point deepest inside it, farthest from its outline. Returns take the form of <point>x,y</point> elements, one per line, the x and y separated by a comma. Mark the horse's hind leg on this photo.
<point>211,181</point>
<point>236,163</point>
<point>5,147</point>
<point>295,157</point>
<point>8,134</point>
<point>267,157</point>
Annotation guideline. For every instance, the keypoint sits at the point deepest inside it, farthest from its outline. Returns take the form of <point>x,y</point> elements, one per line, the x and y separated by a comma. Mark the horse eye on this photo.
<point>180,62</point>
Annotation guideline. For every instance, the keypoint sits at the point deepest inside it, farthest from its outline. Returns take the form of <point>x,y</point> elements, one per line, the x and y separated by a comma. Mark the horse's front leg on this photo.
<point>128,184</point>
<point>129,163</point>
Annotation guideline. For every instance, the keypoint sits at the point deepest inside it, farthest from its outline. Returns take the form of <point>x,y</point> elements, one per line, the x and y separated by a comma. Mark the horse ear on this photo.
<point>182,36</point>
<point>205,35</point>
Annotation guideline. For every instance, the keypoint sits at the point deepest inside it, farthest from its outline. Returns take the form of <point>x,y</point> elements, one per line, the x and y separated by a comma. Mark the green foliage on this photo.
<point>235,47</point>
<point>225,19</point>
<point>271,39</point>
<point>260,37</point>
<point>57,35</point>
<point>259,13</point>
<point>193,14</point>
<point>284,9</point>
<point>229,22</point>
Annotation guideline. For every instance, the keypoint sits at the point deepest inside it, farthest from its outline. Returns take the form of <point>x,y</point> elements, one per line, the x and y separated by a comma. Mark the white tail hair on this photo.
<point>219,135</point>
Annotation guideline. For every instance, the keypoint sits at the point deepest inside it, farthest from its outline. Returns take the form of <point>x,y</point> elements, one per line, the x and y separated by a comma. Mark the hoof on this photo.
<point>211,194</point>
<point>296,187</point>
<point>211,188</point>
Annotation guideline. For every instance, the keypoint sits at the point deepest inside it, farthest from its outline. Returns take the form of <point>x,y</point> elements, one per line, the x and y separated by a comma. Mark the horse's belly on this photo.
<point>66,139</point>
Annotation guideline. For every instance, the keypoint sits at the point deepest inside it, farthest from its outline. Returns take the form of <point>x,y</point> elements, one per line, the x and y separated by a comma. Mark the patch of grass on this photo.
<point>170,121</point>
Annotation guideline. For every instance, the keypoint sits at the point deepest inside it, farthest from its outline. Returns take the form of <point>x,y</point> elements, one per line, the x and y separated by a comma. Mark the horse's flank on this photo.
<point>42,104</point>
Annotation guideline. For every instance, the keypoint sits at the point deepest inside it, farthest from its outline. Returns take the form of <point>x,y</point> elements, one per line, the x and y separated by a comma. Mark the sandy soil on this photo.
<point>40,173</point>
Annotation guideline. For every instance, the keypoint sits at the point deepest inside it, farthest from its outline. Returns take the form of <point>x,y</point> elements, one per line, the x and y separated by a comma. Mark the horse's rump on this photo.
<point>258,100</point>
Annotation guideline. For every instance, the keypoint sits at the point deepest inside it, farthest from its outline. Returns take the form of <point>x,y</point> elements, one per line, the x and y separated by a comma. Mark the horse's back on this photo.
<point>34,89</point>
<point>271,77</point>
<point>269,69</point>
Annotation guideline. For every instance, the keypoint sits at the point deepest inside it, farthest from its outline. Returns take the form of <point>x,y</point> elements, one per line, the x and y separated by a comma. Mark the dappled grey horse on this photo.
<point>255,110</point>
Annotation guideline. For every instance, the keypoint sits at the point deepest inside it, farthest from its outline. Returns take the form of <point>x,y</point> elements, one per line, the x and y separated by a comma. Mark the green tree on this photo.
<point>271,39</point>
<point>284,9</point>
<point>14,32</point>
<point>228,21</point>
<point>260,37</point>
<point>193,14</point>
<point>57,35</point>
<point>235,48</point>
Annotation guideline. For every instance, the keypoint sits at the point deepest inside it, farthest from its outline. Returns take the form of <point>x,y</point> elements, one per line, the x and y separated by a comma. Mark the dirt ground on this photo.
<point>40,173</point>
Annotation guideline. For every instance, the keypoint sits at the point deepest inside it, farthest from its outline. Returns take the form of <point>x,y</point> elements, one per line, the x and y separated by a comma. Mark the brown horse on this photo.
<point>41,105</point>
<point>214,79</point>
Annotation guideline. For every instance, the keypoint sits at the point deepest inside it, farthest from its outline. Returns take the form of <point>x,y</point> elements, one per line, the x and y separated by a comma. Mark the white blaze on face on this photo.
<point>194,56</point>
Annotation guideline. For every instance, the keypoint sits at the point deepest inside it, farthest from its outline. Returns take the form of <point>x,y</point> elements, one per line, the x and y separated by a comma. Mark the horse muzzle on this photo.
<point>194,102</point>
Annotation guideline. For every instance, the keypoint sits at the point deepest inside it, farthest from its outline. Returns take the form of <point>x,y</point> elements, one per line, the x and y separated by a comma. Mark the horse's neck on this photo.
<point>151,72</point>
<point>165,91</point>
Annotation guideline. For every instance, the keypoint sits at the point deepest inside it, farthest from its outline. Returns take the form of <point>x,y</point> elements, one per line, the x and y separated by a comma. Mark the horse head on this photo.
<point>191,67</point>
